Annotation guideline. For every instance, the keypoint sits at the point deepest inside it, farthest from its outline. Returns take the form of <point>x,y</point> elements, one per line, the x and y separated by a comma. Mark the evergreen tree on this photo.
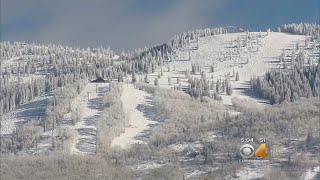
<point>146,80</point>
<point>237,76</point>
<point>203,75</point>
<point>212,85</point>
<point>193,68</point>
<point>156,82</point>
<point>223,87</point>
<point>229,89</point>
<point>134,78</point>
<point>161,71</point>
<point>212,68</point>
<point>218,87</point>
<point>178,80</point>
<point>278,86</point>
<point>187,73</point>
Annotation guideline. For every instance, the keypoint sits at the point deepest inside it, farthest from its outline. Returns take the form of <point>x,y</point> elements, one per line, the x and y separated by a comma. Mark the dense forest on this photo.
<point>28,71</point>
<point>280,86</point>
<point>199,88</point>
<point>299,72</point>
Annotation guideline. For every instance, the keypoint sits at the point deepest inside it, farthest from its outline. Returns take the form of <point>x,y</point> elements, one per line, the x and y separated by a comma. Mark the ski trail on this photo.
<point>85,130</point>
<point>259,63</point>
<point>83,138</point>
<point>137,104</point>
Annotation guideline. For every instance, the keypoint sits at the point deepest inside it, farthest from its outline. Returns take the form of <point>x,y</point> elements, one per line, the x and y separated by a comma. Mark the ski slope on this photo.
<point>90,100</point>
<point>81,136</point>
<point>258,56</point>
<point>262,56</point>
<point>138,105</point>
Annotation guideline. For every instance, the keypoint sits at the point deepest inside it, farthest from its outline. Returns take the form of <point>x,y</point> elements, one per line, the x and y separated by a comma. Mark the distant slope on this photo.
<point>221,51</point>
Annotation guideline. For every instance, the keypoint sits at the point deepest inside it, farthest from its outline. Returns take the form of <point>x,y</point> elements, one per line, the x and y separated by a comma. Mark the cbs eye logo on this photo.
<point>247,151</point>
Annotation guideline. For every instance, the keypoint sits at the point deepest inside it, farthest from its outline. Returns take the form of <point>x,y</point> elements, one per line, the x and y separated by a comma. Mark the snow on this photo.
<point>137,104</point>
<point>85,130</point>
<point>179,147</point>
<point>256,170</point>
<point>148,166</point>
<point>10,62</point>
<point>211,49</point>
<point>312,174</point>
<point>30,111</point>
<point>115,57</point>
<point>82,134</point>
<point>42,147</point>
<point>218,49</point>
<point>194,173</point>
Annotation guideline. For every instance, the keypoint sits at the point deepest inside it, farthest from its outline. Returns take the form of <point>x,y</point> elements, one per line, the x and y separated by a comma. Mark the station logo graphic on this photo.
<point>247,151</point>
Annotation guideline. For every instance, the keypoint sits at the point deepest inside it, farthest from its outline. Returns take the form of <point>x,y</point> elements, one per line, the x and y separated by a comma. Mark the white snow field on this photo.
<point>85,130</point>
<point>137,105</point>
<point>254,59</point>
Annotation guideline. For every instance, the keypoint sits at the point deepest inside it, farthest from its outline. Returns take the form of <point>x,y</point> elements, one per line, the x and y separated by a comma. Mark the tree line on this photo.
<point>42,69</point>
<point>280,86</point>
<point>309,29</point>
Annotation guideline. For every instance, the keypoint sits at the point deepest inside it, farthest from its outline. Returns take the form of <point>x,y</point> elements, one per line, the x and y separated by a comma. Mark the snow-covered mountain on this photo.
<point>175,103</point>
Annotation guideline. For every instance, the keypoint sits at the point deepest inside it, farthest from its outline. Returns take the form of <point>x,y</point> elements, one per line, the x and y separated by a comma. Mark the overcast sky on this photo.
<point>130,24</point>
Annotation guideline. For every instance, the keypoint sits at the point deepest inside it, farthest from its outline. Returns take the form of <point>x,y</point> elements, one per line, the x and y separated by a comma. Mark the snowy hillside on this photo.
<point>179,108</point>
<point>137,104</point>
<point>258,56</point>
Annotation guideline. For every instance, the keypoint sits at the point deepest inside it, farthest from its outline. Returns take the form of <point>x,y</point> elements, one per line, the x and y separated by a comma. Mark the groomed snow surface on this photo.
<point>138,105</point>
<point>85,134</point>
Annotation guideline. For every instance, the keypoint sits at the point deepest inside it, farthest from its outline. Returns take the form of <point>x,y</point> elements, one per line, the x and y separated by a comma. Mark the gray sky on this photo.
<point>129,24</point>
